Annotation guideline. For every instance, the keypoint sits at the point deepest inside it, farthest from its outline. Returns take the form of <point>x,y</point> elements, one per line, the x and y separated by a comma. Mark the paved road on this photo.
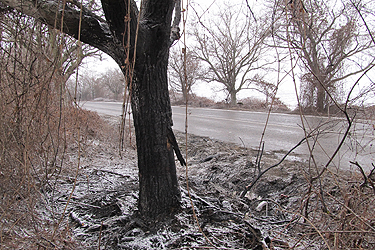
<point>282,133</point>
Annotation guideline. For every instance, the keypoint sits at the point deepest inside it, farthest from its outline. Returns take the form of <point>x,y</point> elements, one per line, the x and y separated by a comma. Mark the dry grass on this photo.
<point>32,162</point>
<point>346,220</point>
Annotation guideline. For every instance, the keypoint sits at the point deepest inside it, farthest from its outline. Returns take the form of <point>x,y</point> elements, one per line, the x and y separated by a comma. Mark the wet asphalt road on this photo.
<point>282,133</point>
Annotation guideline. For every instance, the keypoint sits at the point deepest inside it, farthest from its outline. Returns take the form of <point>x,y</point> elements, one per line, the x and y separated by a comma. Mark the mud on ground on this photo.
<point>282,211</point>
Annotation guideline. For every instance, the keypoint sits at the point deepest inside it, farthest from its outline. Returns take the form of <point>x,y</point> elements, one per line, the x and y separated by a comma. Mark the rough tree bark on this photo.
<point>159,192</point>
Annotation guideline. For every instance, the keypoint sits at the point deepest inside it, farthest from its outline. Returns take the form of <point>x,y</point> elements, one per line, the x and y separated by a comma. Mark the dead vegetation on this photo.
<point>38,127</point>
<point>64,186</point>
<point>35,156</point>
<point>332,212</point>
<point>284,209</point>
<point>56,207</point>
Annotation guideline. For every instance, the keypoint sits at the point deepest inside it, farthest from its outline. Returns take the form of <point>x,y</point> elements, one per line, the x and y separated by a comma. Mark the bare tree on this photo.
<point>331,45</point>
<point>89,87</point>
<point>147,42</point>
<point>114,81</point>
<point>231,48</point>
<point>177,72</point>
<point>68,56</point>
<point>109,84</point>
<point>266,88</point>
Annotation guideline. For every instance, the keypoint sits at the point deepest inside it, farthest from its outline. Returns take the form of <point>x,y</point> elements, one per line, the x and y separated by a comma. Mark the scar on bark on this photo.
<point>173,142</point>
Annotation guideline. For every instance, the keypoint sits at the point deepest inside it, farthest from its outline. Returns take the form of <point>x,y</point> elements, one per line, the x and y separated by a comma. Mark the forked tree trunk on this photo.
<point>159,193</point>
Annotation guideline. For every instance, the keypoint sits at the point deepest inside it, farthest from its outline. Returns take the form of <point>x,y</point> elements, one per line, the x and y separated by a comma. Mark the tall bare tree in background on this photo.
<point>231,50</point>
<point>177,72</point>
<point>268,89</point>
<point>332,46</point>
<point>89,87</point>
<point>114,81</point>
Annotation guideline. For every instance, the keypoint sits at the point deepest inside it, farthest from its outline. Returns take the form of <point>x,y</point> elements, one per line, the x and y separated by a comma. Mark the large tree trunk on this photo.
<point>233,98</point>
<point>158,187</point>
<point>159,193</point>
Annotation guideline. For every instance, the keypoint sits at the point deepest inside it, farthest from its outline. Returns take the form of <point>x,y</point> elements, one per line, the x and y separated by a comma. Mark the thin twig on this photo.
<point>184,18</point>
<point>111,172</point>
<point>349,232</point>
<point>242,142</point>
<point>351,210</point>
<point>366,180</point>
<point>74,184</point>
<point>364,22</point>
<point>259,156</point>
<point>100,235</point>
<point>251,11</point>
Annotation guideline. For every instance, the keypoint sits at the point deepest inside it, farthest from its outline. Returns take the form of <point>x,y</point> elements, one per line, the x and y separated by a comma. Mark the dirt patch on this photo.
<point>285,209</point>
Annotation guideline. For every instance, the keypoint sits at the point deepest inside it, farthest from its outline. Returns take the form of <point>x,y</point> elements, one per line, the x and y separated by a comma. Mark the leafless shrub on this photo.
<point>193,100</point>
<point>250,103</point>
<point>37,127</point>
<point>346,219</point>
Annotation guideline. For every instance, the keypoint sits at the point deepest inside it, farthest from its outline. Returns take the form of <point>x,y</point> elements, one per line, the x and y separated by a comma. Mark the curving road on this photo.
<point>282,133</point>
